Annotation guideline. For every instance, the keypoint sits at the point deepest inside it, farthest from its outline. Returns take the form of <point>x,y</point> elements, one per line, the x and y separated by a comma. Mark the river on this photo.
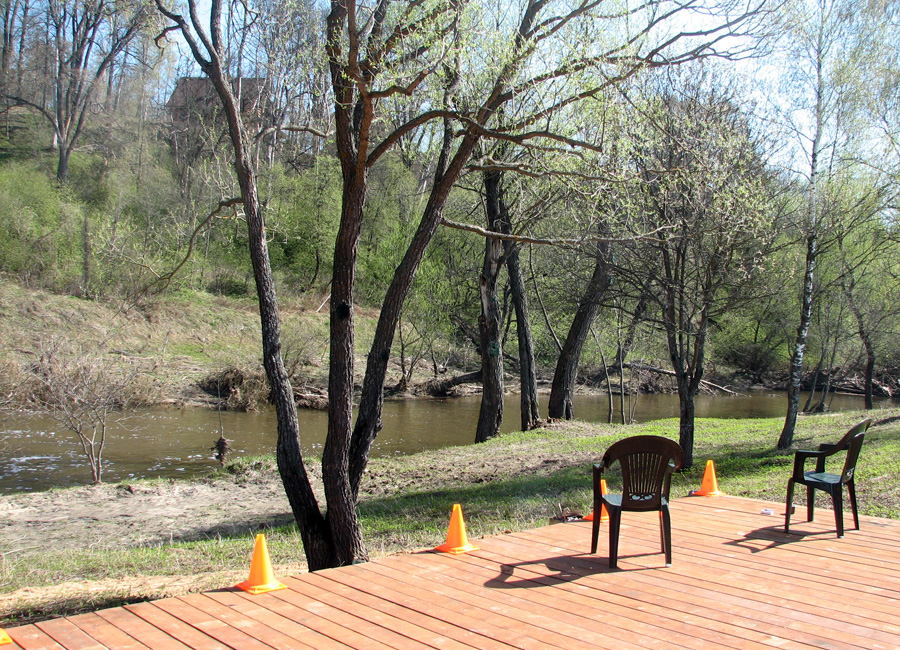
<point>37,453</point>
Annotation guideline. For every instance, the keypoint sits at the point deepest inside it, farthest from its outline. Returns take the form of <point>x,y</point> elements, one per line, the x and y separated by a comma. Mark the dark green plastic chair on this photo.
<point>647,463</point>
<point>833,484</point>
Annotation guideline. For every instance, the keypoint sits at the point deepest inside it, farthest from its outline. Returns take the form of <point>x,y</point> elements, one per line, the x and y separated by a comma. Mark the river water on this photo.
<point>36,453</point>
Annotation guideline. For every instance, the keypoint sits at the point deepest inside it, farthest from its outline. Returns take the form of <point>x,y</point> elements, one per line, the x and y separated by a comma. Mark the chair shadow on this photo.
<point>776,537</point>
<point>558,569</point>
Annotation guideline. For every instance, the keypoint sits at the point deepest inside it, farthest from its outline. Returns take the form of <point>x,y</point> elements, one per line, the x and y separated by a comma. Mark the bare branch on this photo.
<point>166,278</point>
<point>563,241</point>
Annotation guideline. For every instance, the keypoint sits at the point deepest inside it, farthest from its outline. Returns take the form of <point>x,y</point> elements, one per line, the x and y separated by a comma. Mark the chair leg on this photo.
<point>810,502</point>
<point>788,505</point>
<point>662,532</point>
<point>598,507</point>
<point>837,499</point>
<point>666,527</point>
<point>851,490</point>
<point>615,520</point>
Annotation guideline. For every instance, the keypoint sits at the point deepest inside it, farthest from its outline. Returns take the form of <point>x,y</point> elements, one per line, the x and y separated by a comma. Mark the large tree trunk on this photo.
<point>686,412</point>
<point>563,386</point>
<point>342,520</point>
<point>796,370</point>
<point>687,355</point>
<point>62,163</point>
<point>490,345</point>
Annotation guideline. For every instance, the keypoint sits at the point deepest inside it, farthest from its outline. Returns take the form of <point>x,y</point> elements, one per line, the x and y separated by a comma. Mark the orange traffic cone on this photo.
<point>709,487</point>
<point>604,515</point>
<point>262,578</point>
<point>457,540</point>
<point>4,638</point>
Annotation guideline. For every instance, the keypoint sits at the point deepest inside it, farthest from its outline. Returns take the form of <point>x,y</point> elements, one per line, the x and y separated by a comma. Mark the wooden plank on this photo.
<point>68,635</point>
<point>324,590</point>
<point>401,605</point>
<point>304,637</point>
<point>625,611</point>
<point>789,556</point>
<point>707,613</point>
<point>176,628</point>
<point>30,637</point>
<point>714,581</point>
<point>374,635</point>
<point>449,615</point>
<point>140,629</point>
<point>332,634</point>
<point>246,623</point>
<point>467,610</point>
<point>212,626</point>
<point>506,609</point>
<point>590,584</point>
<point>105,633</point>
<point>780,575</point>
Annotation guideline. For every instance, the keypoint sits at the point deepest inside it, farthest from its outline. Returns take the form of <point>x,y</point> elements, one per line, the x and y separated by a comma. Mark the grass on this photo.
<point>515,482</point>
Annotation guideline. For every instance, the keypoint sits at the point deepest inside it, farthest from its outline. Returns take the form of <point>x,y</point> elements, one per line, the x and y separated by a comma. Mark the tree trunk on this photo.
<point>342,519</point>
<point>796,370</point>
<point>86,255</point>
<point>314,533</point>
<point>528,401</point>
<point>821,406</point>
<point>490,346</point>
<point>62,164</point>
<point>870,375</point>
<point>563,386</point>
<point>815,383</point>
<point>686,412</point>
<point>863,333</point>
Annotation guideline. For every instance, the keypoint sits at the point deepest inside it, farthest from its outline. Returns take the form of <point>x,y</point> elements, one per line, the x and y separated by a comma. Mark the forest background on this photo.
<point>652,189</point>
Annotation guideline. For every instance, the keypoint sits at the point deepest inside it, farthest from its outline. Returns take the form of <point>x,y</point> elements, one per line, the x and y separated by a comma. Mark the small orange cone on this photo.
<point>457,540</point>
<point>604,515</point>
<point>4,638</point>
<point>709,487</point>
<point>262,578</point>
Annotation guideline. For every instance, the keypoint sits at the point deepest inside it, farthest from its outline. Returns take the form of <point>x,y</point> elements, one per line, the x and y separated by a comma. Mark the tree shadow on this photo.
<point>234,529</point>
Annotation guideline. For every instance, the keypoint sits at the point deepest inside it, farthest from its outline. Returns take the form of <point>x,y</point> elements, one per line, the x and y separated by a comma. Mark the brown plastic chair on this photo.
<point>833,484</point>
<point>647,463</point>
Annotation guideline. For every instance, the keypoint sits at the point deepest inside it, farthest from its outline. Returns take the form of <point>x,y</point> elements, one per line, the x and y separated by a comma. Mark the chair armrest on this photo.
<point>826,449</point>
<point>800,457</point>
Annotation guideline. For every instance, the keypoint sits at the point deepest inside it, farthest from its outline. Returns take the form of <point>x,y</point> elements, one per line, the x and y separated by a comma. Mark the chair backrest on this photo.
<point>852,442</point>
<point>647,463</point>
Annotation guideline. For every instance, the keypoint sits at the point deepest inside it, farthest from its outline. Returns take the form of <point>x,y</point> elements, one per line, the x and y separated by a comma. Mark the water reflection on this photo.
<point>36,453</point>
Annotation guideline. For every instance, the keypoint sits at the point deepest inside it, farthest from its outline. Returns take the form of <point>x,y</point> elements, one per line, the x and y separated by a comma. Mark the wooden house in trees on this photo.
<point>197,121</point>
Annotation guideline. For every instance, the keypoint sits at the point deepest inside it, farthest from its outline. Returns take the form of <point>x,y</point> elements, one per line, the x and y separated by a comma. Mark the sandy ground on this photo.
<point>131,515</point>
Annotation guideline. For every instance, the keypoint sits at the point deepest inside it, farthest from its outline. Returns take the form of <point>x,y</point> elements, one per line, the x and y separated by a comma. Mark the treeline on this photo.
<point>565,188</point>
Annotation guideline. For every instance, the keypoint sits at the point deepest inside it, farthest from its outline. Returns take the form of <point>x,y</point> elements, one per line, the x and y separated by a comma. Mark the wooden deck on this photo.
<point>737,582</point>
